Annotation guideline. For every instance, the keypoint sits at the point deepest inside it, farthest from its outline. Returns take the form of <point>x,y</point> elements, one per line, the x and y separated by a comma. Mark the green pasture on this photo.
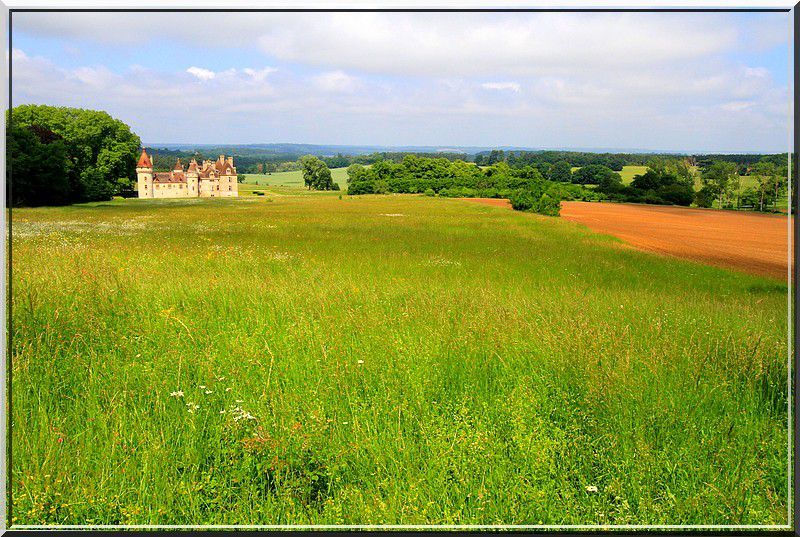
<point>629,172</point>
<point>306,359</point>
<point>292,179</point>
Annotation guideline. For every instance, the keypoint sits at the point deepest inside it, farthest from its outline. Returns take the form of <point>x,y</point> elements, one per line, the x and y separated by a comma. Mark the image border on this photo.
<point>793,335</point>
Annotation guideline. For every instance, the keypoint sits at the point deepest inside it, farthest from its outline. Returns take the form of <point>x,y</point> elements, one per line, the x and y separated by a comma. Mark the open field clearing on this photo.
<point>751,242</point>
<point>629,172</point>
<point>384,360</point>
<point>292,179</point>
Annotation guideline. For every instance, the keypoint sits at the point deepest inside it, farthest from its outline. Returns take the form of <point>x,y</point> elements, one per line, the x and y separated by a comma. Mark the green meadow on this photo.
<point>299,358</point>
<point>627,172</point>
<point>293,179</point>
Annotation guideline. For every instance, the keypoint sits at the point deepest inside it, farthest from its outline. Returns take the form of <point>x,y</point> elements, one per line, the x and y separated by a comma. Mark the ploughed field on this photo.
<point>741,240</point>
<point>383,360</point>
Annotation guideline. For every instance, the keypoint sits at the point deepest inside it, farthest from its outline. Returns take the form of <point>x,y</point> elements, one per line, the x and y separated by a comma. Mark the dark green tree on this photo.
<point>560,172</point>
<point>720,177</point>
<point>38,167</point>
<point>355,172</point>
<point>101,150</point>
<point>594,174</point>
<point>316,174</point>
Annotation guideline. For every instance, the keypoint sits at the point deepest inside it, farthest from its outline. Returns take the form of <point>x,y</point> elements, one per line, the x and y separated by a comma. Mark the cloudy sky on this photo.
<point>662,81</point>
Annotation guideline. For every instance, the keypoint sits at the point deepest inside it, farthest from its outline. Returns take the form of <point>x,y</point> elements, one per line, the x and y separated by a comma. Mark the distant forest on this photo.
<point>257,159</point>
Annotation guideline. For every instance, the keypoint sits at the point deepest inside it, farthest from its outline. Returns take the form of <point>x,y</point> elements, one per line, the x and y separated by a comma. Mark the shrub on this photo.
<point>705,197</point>
<point>522,201</point>
<point>380,187</point>
<point>429,192</point>
<point>549,206</point>
<point>678,194</point>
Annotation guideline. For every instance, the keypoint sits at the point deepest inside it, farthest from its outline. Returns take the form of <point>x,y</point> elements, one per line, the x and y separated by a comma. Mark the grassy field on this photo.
<point>292,179</point>
<point>629,172</point>
<point>296,359</point>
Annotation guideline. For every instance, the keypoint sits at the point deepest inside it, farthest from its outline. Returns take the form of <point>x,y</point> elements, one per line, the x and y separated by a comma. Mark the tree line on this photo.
<point>666,181</point>
<point>61,155</point>
<point>525,187</point>
<point>677,181</point>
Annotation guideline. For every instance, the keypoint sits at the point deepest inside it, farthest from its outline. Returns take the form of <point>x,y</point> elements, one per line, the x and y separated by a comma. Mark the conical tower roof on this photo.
<point>144,160</point>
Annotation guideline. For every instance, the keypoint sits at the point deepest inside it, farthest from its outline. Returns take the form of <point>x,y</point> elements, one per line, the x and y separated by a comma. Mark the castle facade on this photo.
<point>209,180</point>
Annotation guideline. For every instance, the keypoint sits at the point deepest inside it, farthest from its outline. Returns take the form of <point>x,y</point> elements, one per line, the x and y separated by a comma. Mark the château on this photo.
<point>210,180</point>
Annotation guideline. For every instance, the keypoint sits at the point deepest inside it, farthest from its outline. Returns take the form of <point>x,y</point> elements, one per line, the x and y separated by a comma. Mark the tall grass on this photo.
<point>383,360</point>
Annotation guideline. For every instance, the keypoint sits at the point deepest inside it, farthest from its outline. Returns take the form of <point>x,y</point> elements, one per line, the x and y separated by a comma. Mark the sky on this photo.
<point>689,81</point>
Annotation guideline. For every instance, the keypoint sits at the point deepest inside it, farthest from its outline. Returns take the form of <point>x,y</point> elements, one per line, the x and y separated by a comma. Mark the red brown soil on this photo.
<point>751,242</point>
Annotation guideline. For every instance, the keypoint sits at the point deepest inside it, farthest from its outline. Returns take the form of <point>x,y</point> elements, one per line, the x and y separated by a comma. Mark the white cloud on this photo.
<point>737,106</point>
<point>335,81</point>
<point>652,80</point>
<point>259,74</point>
<point>425,44</point>
<point>513,86</point>
<point>201,74</point>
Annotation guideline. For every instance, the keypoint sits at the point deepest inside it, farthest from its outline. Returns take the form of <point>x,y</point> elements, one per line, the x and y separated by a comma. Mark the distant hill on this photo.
<point>285,149</point>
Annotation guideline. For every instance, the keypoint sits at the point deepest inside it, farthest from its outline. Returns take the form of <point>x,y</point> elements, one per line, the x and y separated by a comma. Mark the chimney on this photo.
<point>230,161</point>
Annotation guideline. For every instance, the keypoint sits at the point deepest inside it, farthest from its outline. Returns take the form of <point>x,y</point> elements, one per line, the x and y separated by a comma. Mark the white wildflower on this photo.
<point>176,394</point>
<point>591,488</point>
<point>361,361</point>
<point>209,392</point>
<point>239,413</point>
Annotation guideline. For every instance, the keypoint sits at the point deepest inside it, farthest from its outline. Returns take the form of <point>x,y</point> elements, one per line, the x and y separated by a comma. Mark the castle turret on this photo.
<point>144,175</point>
<point>193,178</point>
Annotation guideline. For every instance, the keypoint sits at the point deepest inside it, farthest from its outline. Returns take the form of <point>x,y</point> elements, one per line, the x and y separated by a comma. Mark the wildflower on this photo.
<point>176,394</point>
<point>202,387</point>
<point>208,392</point>
<point>222,411</point>
<point>228,389</point>
<point>591,488</point>
<point>239,401</point>
<point>361,361</point>
<point>60,440</point>
<point>221,378</point>
<point>239,413</point>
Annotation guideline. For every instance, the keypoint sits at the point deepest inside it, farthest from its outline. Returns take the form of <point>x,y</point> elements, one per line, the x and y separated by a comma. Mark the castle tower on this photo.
<point>144,175</point>
<point>193,179</point>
